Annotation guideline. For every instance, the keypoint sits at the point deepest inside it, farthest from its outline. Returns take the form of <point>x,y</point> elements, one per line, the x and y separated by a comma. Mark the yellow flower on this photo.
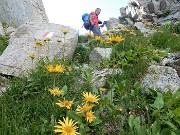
<point>69,69</point>
<point>84,108</point>
<point>102,89</point>
<point>56,92</point>
<point>132,33</point>
<point>65,103</point>
<point>145,23</point>
<point>120,109</point>
<point>57,68</point>
<point>32,56</point>
<point>160,31</point>
<point>35,46</point>
<point>59,40</point>
<point>89,35</point>
<point>90,116</point>
<point>126,30</point>
<point>66,127</point>
<point>47,39</point>
<point>38,42</point>
<point>154,24</point>
<point>116,39</point>
<point>65,31</point>
<point>100,39</point>
<point>88,97</point>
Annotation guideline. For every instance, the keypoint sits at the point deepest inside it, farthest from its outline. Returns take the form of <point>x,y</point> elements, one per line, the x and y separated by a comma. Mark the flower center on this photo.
<point>68,129</point>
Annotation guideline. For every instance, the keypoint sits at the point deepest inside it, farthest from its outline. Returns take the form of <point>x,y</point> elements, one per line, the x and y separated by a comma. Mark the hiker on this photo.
<point>94,22</point>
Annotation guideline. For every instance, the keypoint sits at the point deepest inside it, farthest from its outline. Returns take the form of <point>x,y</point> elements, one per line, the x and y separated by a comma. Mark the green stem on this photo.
<point>54,82</point>
<point>64,47</point>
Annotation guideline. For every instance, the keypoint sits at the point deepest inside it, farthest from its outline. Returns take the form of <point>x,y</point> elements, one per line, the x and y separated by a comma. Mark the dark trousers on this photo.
<point>96,31</point>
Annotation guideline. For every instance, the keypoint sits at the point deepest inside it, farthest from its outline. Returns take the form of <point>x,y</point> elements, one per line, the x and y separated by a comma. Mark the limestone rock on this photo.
<point>98,55</point>
<point>1,30</point>
<point>151,10</point>
<point>161,77</point>
<point>112,23</point>
<point>17,12</point>
<point>15,61</point>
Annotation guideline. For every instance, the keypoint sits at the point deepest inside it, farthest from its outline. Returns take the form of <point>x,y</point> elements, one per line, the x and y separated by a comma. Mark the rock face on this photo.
<point>17,12</point>
<point>151,10</point>
<point>15,61</point>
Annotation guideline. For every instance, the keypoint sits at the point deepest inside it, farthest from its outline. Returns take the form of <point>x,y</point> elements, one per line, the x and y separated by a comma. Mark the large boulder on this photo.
<point>1,30</point>
<point>17,12</point>
<point>15,61</point>
<point>161,78</point>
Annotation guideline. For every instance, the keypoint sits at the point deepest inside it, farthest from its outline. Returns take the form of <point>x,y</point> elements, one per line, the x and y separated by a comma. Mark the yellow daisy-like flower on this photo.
<point>35,46</point>
<point>65,31</point>
<point>66,127</point>
<point>59,40</point>
<point>88,97</point>
<point>69,69</point>
<point>65,103</point>
<point>47,39</point>
<point>32,56</point>
<point>120,109</point>
<point>84,108</point>
<point>57,68</point>
<point>38,42</point>
<point>100,39</point>
<point>56,92</point>
<point>126,30</point>
<point>89,35</point>
<point>132,33</point>
<point>90,116</point>
<point>116,39</point>
<point>154,24</point>
<point>102,89</point>
<point>145,23</point>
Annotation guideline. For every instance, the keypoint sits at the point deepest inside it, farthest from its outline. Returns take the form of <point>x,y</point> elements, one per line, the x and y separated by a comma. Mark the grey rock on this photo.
<point>174,16</point>
<point>17,12</point>
<point>15,61</point>
<point>2,33</point>
<point>151,8</point>
<point>161,77</point>
<point>98,55</point>
<point>112,23</point>
<point>163,5</point>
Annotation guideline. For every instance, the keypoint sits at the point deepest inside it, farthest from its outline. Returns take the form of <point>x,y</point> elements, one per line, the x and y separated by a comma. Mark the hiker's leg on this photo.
<point>96,31</point>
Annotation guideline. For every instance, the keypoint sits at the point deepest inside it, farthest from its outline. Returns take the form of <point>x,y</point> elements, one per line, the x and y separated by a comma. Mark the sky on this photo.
<point>69,12</point>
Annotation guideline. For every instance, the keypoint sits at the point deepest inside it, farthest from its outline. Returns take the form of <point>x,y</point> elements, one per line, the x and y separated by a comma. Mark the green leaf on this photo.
<point>170,124</point>
<point>137,123</point>
<point>65,89</point>
<point>95,90</point>
<point>177,112</point>
<point>177,120</point>
<point>96,122</point>
<point>155,113</point>
<point>130,121</point>
<point>159,102</point>
<point>156,127</point>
